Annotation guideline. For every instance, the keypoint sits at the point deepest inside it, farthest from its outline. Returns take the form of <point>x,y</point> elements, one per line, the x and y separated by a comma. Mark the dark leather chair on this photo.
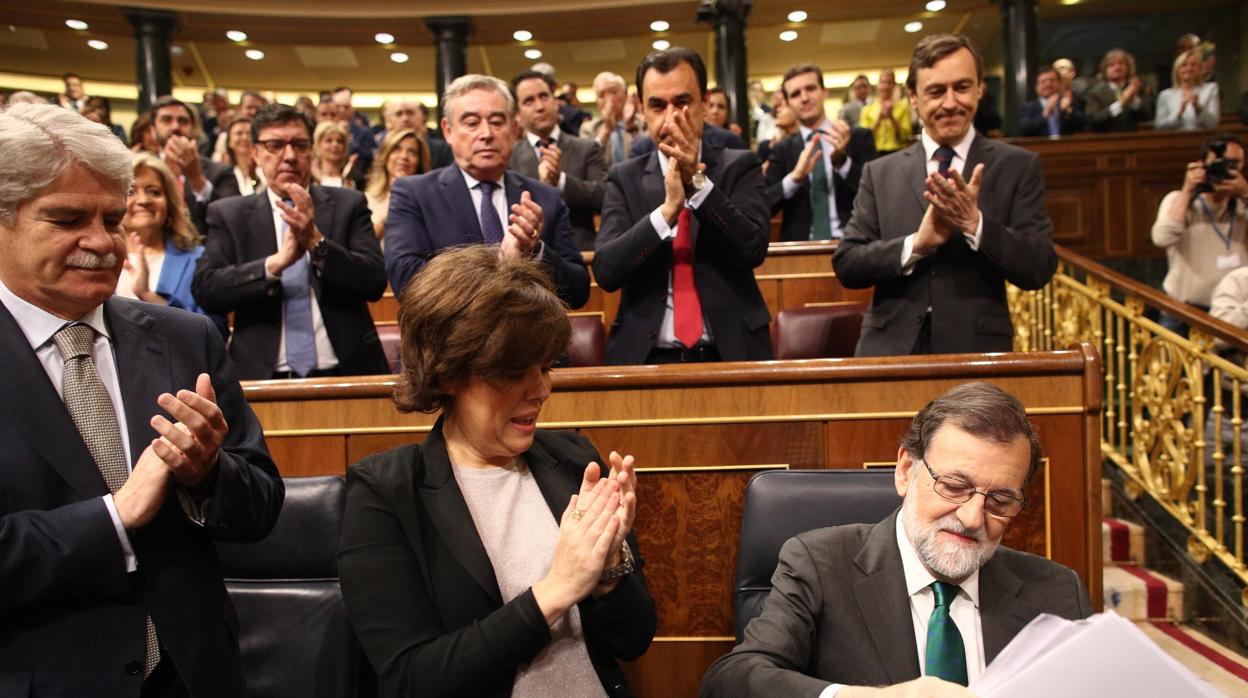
<point>389,336</point>
<point>780,504</point>
<point>819,332</point>
<point>589,340</point>
<point>293,630</point>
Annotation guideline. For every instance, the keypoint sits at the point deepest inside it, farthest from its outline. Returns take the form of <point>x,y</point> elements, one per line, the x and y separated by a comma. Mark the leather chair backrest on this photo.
<point>293,630</point>
<point>389,336</point>
<point>589,340</point>
<point>780,504</point>
<point>820,332</point>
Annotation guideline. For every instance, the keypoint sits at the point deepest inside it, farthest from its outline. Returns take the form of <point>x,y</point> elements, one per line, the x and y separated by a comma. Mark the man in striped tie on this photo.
<point>128,449</point>
<point>921,602</point>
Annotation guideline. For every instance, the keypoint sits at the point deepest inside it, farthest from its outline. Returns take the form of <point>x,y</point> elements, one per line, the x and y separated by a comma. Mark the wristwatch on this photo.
<point>320,250</point>
<point>623,569</point>
<point>698,181</point>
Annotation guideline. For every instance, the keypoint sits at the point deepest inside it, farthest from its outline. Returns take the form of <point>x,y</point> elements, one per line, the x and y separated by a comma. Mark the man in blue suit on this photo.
<point>476,200</point>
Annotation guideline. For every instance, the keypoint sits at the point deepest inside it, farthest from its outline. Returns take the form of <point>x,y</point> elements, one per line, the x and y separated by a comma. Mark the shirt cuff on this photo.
<point>700,195</point>
<point>973,240</point>
<point>831,690</point>
<point>563,180</point>
<point>1115,109</point>
<point>665,231</point>
<point>789,186</point>
<point>132,562</point>
<point>192,506</point>
<point>204,194</point>
<point>908,256</point>
<point>843,170</point>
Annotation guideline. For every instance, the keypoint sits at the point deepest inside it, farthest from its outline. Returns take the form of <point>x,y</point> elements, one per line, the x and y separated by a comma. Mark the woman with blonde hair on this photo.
<point>163,243</point>
<point>403,153</point>
<point>331,167</point>
<point>1190,103</point>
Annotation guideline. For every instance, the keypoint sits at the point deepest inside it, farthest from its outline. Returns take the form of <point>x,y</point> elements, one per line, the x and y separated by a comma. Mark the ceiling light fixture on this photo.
<point>661,44</point>
<point>97,44</point>
<point>533,54</point>
<point>399,57</point>
<point>383,38</point>
<point>77,25</point>
<point>660,25</point>
<point>236,36</point>
<point>254,54</point>
<point>912,27</point>
<point>788,35</point>
<point>935,5</point>
<point>522,35</point>
<point>797,16</point>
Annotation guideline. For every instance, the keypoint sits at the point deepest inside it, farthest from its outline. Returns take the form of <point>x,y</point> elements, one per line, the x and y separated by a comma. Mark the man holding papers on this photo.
<point>920,603</point>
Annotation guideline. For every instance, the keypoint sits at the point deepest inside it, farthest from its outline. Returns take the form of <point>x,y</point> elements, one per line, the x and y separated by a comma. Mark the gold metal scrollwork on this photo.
<point>1161,420</point>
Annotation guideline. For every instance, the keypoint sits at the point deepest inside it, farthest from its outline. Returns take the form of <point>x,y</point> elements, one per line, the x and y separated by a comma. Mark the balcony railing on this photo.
<point>1174,407</point>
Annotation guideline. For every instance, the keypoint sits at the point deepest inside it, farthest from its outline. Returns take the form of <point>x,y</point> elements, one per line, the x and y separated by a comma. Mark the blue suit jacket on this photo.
<point>434,211</point>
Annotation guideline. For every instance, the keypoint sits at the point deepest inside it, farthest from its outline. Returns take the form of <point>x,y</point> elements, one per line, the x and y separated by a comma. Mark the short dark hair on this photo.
<point>530,75</point>
<point>800,69</point>
<point>472,312</point>
<point>170,101</point>
<point>980,408</point>
<point>1221,137</point>
<point>252,93</point>
<point>1045,68</point>
<point>65,78</point>
<point>667,60</point>
<point>932,49</point>
<point>276,114</point>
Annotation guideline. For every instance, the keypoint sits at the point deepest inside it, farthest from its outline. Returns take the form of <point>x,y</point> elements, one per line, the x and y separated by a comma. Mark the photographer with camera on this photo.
<point>1203,226</point>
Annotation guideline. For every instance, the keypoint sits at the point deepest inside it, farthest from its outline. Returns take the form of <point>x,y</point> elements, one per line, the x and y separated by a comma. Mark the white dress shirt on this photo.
<point>667,329</point>
<point>960,151</point>
<point>39,326</point>
<point>790,186</point>
<point>325,356</point>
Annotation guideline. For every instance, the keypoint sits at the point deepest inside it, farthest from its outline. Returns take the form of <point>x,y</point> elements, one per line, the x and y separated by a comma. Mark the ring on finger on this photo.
<point>577,514</point>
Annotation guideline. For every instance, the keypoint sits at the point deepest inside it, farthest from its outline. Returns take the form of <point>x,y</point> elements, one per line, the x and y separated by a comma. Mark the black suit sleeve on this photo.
<point>221,284</point>
<point>1022,247</point>
<point>356,267</point>
<point>587,191</point>
<point>1031,121</point>
<point>408,247</point>
<point>780,162</point>
<point>562,259</point>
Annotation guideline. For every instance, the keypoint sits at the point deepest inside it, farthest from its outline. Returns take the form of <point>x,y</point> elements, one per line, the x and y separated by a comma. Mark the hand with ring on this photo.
<point>524,228</point>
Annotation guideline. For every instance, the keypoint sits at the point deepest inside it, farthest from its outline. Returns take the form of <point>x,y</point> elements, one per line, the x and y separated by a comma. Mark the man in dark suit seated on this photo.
<point>921,603</point>
<point>128,446</point>
<point>1054,111</point>
<point>682,231</point>
<point>572,165</point>
<point>296,264</point>
<point>939,227</point>
<point>812,176</point>
<point>477,200</point>
<point>202,180</point>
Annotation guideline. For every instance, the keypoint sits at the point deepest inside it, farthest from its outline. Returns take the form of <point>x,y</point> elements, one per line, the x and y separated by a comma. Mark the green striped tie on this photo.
<point>946,656</point>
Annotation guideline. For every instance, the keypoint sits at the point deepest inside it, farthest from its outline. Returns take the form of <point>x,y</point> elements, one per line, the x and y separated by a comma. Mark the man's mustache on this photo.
<point>82,259</point>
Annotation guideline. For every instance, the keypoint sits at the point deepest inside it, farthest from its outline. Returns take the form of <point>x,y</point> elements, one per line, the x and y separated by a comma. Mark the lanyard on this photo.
<point>1230,228</point>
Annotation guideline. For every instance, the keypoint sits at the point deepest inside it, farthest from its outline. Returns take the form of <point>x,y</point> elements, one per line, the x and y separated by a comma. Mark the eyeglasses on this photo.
<point>955,489</point>
<point>274,146</point>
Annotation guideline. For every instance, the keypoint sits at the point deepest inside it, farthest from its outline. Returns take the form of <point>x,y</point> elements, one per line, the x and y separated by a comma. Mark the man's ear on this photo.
<point>903,475</point>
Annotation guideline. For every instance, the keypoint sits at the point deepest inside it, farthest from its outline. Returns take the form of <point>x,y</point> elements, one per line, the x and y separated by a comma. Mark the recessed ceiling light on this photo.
<point>1070,2</point>
<point>254,54</point>
<point>77,24</point>
<point>533,54</point>
<point>797,16</point>
<point>235,35</point>
<point>97,44</point>
<point>788,35</point>
<point>175,50</point>
<point>522,35</point>
<point>660,25</point>
<point>912,27</point>
<point>399,57</point>
<point>935,5</point>
<point>661,45</point>
<point>384,38</point>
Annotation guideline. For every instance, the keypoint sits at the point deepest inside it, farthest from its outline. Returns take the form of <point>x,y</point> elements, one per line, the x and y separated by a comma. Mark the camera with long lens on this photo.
<point>1217,170</point>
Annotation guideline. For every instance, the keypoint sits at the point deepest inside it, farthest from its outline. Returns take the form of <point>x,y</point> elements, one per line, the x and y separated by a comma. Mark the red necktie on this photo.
<point>687,307</point>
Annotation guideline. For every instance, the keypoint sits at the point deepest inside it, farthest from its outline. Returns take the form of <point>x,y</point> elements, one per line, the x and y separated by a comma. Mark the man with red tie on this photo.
<point>682,231</point>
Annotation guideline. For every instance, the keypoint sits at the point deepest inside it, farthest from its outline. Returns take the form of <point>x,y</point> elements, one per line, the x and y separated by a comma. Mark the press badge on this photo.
<point>1229,261</point>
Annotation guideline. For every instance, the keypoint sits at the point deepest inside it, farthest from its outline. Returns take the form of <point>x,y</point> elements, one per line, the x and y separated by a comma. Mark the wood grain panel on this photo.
<point>302,456</point>
<point>673,668</point>
<point>386,309</point>
<point>796,444</point>
<point>360,445</point>
<point>851,444</point>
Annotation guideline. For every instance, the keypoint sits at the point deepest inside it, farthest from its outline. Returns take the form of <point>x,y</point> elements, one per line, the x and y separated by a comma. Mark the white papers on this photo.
<point>1104,655</point>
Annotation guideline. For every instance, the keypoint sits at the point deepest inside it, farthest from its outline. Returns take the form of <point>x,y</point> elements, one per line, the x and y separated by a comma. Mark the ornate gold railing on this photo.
<point>1174,406</point>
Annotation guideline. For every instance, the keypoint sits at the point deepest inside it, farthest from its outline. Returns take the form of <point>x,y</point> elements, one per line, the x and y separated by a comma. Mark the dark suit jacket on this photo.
<point>965,289</point>
<point>434,211</point>
<point>711,135</point>
<point>730,234</point>
<point>224,185</point>
<point>1097,99</point>
<point>230,278</point>
<point>1031,121</point>
<point>585,185</point>
<point>72,617</point>
<point>421,592</point>
<point>839,613</point>
<point>797,217</point>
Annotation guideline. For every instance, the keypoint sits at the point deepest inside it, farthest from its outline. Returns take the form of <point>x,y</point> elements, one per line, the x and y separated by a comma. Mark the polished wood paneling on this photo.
<point>792,444</point>
<point>670,668</point>
<point>301,456</point>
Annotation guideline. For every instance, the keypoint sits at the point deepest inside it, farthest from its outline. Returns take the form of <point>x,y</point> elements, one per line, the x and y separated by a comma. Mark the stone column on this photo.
<point>731,70</point>
<point>1019,20</point>
<point>152,68</point>
<point>450,37</point>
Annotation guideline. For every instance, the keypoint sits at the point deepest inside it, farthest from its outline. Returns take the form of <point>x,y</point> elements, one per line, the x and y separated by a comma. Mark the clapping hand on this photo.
<point>524,228</point>
<point>956,201</point>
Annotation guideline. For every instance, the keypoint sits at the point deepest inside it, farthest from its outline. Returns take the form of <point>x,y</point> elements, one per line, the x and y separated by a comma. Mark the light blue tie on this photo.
<point>297,303</point>
<point>617,144</point>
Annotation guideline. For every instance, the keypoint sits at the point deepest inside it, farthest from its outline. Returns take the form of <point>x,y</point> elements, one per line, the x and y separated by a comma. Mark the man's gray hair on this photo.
<point>607,77</point>
<point>40,142</point>
<point>464,84</point>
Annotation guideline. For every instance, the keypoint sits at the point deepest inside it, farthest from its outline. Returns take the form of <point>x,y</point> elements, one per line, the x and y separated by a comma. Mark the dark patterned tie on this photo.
<point>543,143</point>
<point>944,158</point>
<point>946,655</point>
<point>91,409</point>
<point>491,224</point>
